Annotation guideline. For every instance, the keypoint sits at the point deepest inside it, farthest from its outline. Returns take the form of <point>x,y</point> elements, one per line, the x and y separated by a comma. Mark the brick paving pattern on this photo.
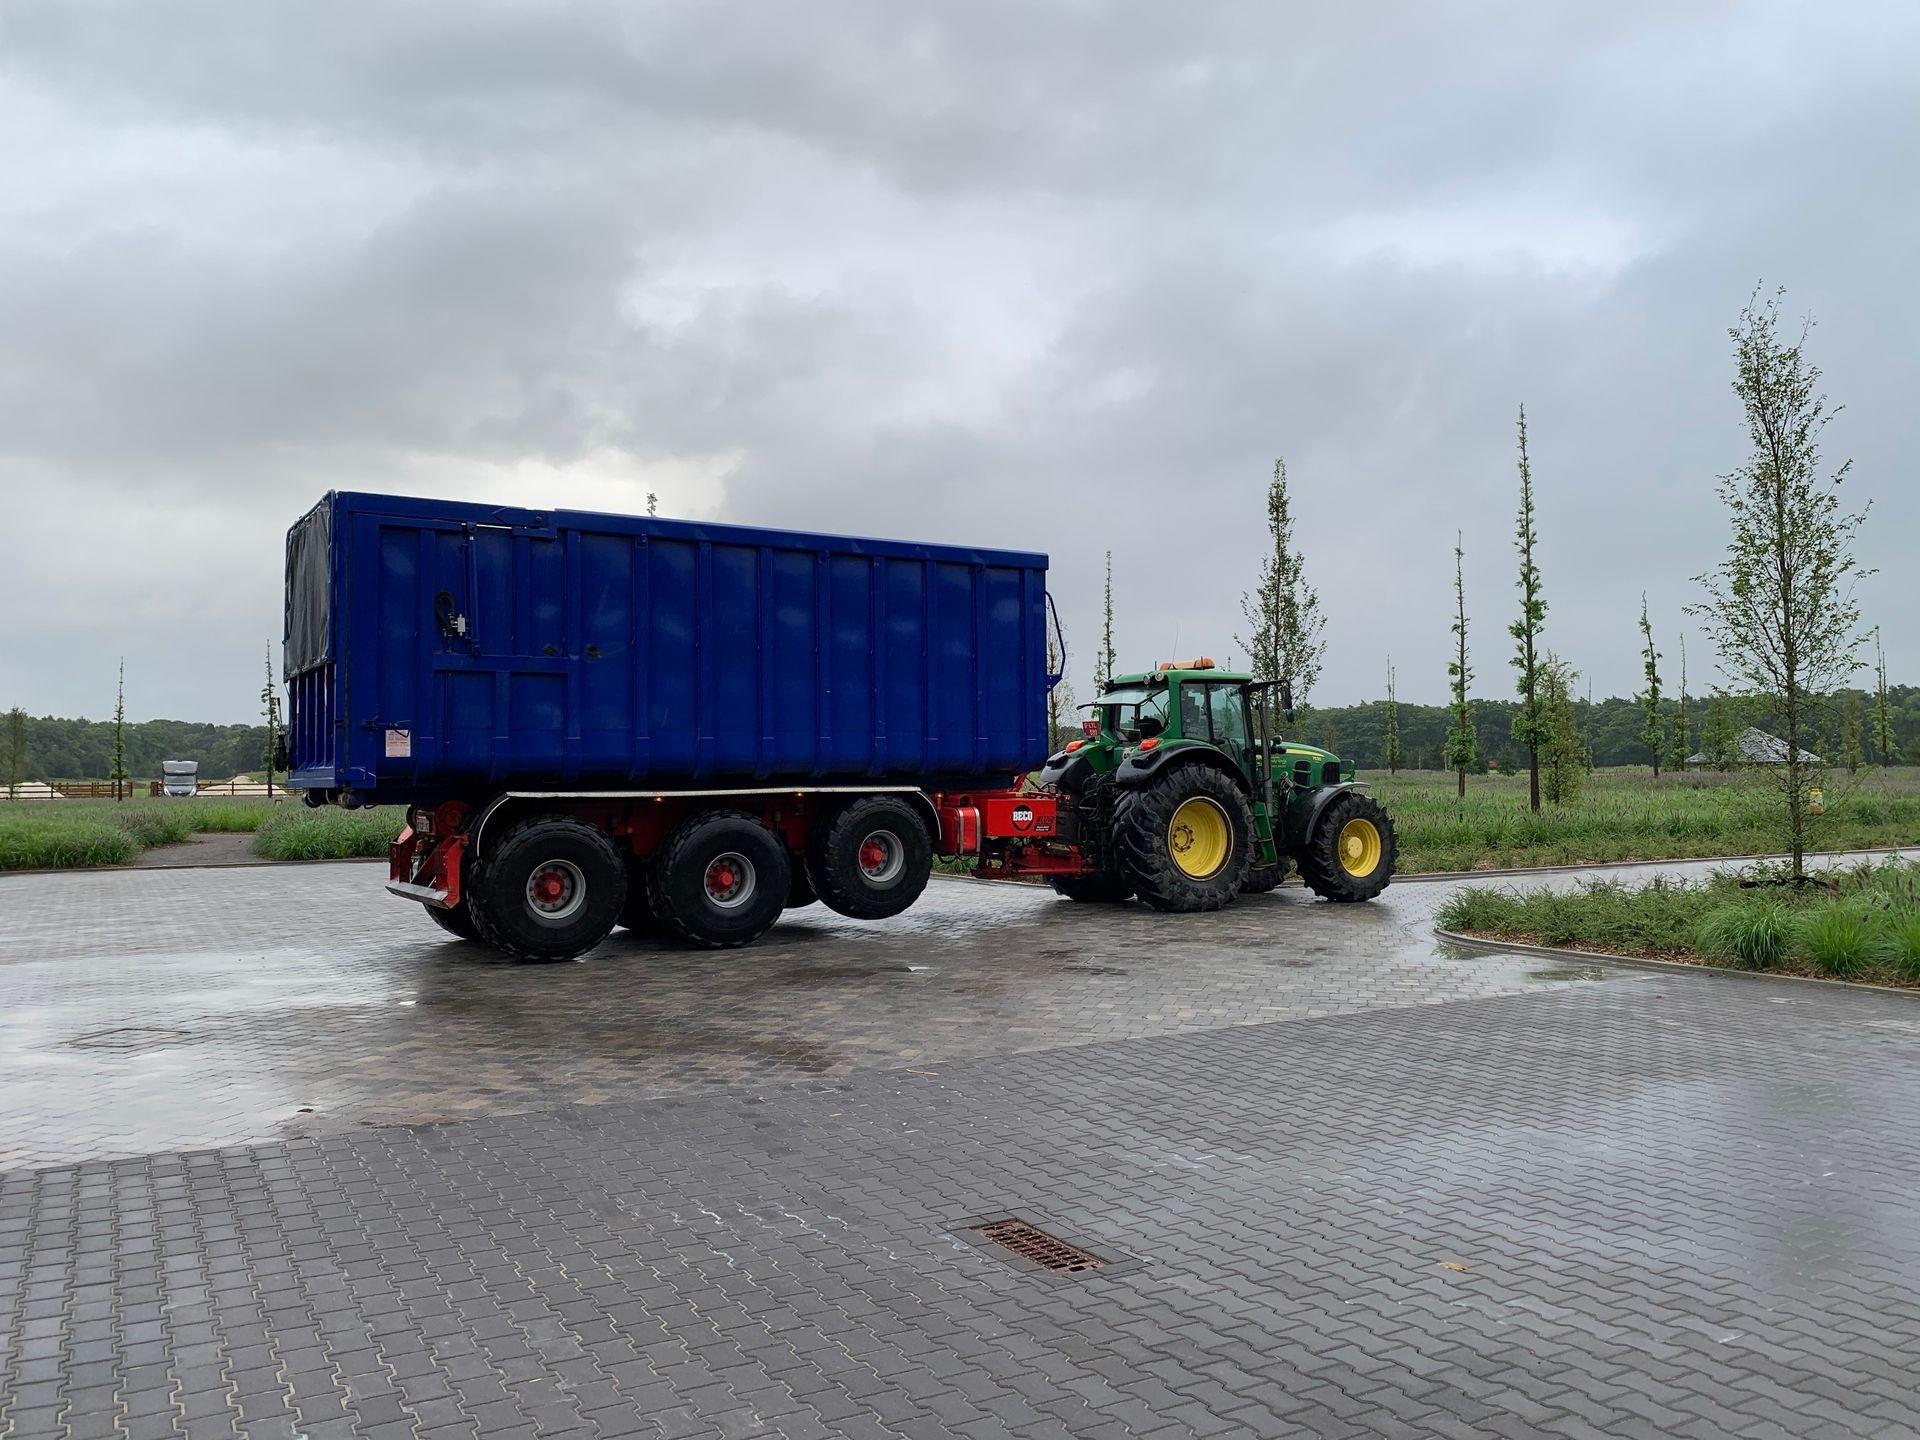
<point>1359,1186</point>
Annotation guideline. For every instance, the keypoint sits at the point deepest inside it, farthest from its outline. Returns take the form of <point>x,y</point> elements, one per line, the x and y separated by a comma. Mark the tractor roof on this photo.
<point>1180,670</point>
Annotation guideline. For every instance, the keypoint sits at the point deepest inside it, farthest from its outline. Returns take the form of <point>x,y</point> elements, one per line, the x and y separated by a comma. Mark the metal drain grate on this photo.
<point>1049,1252</point>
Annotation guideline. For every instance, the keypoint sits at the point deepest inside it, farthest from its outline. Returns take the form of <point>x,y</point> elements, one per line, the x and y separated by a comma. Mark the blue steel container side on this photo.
<point>472,647</point>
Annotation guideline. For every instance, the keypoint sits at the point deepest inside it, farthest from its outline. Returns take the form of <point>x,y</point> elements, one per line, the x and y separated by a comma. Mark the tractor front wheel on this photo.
<point>1186,838</point>
<point>1350,855</point>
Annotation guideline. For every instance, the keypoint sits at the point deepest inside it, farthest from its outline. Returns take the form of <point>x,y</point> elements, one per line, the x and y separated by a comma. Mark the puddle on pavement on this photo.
<point>1572,972</point>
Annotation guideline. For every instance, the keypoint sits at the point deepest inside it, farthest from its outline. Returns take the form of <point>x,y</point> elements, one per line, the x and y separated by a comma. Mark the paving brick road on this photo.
<point>276,1160</point>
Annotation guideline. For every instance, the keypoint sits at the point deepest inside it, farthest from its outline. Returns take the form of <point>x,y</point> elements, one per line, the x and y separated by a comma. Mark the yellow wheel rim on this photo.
<point>1360,847</point>
<point>1198,838</point>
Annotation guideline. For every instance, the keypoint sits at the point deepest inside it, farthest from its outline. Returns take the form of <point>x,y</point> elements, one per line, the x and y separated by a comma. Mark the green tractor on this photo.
<point>1181,794</point>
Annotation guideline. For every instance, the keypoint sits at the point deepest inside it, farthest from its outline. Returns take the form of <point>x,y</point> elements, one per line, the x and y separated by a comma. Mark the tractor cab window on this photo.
<point>1228,707</point>
<point>1134,713</point>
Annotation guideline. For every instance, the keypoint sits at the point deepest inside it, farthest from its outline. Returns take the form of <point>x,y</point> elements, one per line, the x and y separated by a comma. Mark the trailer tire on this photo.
<point>457,922</point>
<point>1098,889</point>
<point>872,859</point>
<point>1186,837</point>
<point>550,890</point>
<point>1350,855</point>
<point>720,880</point>
<point>799,887</point>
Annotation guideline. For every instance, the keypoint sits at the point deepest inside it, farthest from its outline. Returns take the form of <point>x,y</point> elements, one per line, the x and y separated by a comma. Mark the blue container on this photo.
<point>437,649</point>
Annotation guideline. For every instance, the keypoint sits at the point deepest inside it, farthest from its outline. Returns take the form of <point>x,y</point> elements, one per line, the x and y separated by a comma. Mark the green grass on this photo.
<point>1624,814</point>
<point>298,833</point>
<point>1861,923</point>
<point>76,834</point>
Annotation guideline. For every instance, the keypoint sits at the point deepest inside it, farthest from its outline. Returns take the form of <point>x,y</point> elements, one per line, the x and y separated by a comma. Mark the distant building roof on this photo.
<point>1757,747</point>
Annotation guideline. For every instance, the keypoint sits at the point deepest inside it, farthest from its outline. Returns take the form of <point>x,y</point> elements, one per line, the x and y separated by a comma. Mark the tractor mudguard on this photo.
<point>1317,801</point>
<point>1142,765</point>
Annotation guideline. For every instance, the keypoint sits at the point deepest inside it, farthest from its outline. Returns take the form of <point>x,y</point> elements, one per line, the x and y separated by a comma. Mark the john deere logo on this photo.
<point>1023,817</point>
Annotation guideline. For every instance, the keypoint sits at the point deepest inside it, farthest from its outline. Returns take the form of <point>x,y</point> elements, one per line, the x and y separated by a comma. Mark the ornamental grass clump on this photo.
<point>1838,940</point>
<point>1903,945</point>
<point>1755,935</point>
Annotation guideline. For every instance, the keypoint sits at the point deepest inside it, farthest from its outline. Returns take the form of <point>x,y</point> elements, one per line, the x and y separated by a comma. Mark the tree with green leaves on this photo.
<point>270,707</point>
<point>1530,727</point>
<point>1780,606</point>
<point>1851,754</point>
<point>653,503</point>
<point>1563,759</point>
<point>1393,723</point>
<point>1103,658</point>
<point>1679,736</point>
<point>1288,640</point>
<point>15,751</point>
<point>117,772</point>
<point>1654,734</point>
<point>1883,743</point>
<point>1463,752</point>
<point>1718,743</point>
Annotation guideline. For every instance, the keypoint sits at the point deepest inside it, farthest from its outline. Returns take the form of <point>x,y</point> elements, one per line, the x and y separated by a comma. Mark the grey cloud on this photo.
<point>1066,276</point>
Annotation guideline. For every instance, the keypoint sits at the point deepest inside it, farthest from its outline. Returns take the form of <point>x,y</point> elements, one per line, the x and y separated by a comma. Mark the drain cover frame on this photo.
<point>129,1037</point>
<point>1039,1248</point>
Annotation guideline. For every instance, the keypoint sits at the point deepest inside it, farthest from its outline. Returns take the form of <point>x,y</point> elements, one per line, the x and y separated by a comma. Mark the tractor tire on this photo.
<point>456,922</point>
<point>1101,889</point>
<point>1263,878</point>
<point>872,860</point>
<point>551,890</point>
<point>1186,838</point>
<point>1350,855</point>
<point>720,881</point>
<point>800,888</point>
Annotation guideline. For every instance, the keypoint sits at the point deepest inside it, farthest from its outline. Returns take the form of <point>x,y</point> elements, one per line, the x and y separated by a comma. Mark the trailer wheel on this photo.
<point>1351,853</point>
<point>799,887</point>
<point>457,921</point>
<point>872,860</point>
<point>551,890</point>
<point>1186,837</point>
<point>720,880</point>
<point>1104,889</point>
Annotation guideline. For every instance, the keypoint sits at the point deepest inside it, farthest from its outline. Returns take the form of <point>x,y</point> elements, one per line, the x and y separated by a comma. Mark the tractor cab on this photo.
<point>1180,791</point>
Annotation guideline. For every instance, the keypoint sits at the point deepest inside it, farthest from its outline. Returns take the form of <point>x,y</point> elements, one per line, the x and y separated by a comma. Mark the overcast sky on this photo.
<point>1061,276</point>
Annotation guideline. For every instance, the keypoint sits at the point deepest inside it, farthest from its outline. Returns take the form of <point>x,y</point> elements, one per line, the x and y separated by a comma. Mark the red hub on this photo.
<point>549,886</point>
<point>721,879</point>
<point>873,855</point>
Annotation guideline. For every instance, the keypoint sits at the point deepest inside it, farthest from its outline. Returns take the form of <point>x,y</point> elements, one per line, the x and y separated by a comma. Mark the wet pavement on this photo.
<point>277,1157</point>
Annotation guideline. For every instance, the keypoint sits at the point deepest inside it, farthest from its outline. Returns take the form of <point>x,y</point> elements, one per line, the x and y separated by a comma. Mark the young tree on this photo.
<point>1462,751</point>
<point>1563,758</point>
<point>1287,642</point>
<point>270,707</point>
<point>1680,741</point>
<point>1530,726</point>
<point>1393,723</point>
<point>117,773</point>
<point>1780,606</point>
<point>1060,697</point>
<point>1717,740</point>
<point>1851,754</point>
<point>1654,735</point>
<point>653,503</point>
<point>16,751</point>
<point>1882,707</point>
<point>1103,658</point>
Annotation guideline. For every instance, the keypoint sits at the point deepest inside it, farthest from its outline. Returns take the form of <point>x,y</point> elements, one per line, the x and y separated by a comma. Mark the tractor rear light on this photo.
<point>1150,742</point>
<point>1073,745</point>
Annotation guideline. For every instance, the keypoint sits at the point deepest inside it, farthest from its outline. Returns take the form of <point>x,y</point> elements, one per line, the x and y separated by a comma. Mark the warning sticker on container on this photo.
<point>399,744</point>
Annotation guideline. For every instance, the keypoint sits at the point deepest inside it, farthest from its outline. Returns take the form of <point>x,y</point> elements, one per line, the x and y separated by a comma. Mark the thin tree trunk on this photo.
<point>1463,783</point>
<point>1533,775</point>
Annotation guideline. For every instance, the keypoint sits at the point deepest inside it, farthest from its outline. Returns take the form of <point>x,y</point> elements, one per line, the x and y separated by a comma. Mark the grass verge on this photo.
<point>1861,923</point>
<point>298,833</point>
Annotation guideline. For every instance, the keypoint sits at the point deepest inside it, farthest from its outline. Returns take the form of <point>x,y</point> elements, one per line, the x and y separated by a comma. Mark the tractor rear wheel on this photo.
<point>551,890</point>
<point>720,880</point>
<point>1262,878</point>
<point>872,860</point>
<point>1350,855</point>
<point>1099,889</point>
<point>1186,838</point>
